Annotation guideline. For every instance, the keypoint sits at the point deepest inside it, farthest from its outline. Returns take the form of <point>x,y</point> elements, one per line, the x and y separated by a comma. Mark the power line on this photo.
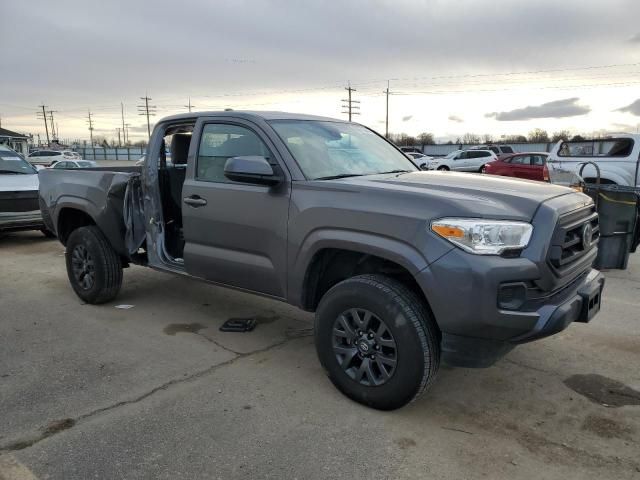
<point>351,105</point>
<point>44,117</point>
<point>124,131</point>
<point>189,106</point>
<point>386,120</point>
<point>54,133</point>
<point>90,121</point>
<point>147,110</point>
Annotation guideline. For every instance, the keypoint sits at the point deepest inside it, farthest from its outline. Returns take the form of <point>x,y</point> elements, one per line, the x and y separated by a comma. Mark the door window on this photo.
<point>520,160</point>
<point>218,143</point>
<point>537,160</point>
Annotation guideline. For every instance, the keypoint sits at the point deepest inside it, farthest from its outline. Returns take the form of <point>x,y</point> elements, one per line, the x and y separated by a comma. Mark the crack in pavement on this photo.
<point>530,367</point>
<point>58,426</point>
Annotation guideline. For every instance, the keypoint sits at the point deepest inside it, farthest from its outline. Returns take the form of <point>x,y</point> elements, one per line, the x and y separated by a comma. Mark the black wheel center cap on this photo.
<point>365,346</point>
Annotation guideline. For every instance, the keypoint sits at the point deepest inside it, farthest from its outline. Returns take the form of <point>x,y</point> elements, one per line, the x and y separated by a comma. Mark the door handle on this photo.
<point>195,201</point>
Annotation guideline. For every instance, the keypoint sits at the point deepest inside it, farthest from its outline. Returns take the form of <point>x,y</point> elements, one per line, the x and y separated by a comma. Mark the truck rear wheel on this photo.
<point>377,341</point>
<point>93,267</point>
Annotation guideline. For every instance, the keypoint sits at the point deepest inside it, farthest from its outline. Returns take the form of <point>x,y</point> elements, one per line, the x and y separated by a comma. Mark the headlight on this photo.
<point>484,237</point>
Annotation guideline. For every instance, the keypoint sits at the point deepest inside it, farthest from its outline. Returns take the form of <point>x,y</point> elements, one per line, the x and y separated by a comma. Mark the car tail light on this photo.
<point>545,173</point>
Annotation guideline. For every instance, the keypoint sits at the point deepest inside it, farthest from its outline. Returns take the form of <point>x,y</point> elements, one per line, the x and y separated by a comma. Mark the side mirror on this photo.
<point>251,169</point>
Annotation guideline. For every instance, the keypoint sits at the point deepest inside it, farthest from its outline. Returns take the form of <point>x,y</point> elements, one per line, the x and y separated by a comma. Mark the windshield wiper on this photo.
<point>342,175</point>
<point>394,171</point>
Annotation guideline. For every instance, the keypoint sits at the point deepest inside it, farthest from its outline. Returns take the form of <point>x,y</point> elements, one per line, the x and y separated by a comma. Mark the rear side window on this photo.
<point>220,142</point>
<point>538,160</point>
<point>608,147</point>
<point>485,154</point>
<point>506,149</point>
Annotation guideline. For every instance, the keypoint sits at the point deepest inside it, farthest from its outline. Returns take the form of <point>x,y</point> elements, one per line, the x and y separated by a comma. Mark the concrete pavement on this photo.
<point>156,391</point>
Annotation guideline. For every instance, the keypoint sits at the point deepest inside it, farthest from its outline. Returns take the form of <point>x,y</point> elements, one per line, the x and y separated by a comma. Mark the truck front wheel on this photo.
<point>377,341</point>
<point>93,267</point>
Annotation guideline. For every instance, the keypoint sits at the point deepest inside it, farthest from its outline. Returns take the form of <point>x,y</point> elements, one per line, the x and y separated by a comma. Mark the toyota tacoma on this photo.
<point>403,268</point>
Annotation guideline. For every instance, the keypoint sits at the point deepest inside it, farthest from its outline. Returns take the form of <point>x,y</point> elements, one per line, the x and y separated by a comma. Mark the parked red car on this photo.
<point>532,166</point>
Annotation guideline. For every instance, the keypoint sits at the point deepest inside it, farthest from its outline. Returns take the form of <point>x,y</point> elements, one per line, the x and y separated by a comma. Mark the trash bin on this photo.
<point>618,208</point>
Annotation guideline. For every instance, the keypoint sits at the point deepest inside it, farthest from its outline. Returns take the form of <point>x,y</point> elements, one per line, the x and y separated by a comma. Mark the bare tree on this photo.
<point>515,138</point>
<point>538,136</point>
<point>561,135</point>
<point>470,138</point>
<point>487,138</point>
<point>402,139</point>
<point>426,138</point>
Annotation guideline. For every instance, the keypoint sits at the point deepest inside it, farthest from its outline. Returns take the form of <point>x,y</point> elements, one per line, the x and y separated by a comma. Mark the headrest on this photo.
<point>180,148</point>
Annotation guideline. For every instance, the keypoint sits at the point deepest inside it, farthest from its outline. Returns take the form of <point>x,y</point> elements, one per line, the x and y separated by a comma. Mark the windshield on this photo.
<point>12,163</point>
<point>326,150</point>
<point>453,154</point>
<point>85,163</point>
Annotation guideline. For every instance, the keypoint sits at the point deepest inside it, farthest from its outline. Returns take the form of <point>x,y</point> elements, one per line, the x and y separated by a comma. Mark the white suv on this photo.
<point>49,157</point>
<point>463,161</point>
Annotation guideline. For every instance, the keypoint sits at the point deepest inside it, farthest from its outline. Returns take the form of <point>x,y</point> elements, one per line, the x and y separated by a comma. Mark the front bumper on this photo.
<point>476,332</point>
<point>31,220</point>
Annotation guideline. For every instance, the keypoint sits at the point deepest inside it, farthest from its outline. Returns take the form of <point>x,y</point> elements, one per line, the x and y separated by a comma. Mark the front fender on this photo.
<point>390,249</point>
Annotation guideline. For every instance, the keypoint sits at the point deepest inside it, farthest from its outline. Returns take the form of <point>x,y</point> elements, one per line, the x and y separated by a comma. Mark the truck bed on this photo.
<point>96,192</point>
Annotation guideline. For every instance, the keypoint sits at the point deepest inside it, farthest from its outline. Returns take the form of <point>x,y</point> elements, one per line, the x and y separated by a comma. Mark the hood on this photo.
<point>483,196</point>
<point>18,183</point>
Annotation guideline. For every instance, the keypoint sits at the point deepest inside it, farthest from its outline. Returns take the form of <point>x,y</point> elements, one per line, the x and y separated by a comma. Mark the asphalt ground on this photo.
<point>157,391</point>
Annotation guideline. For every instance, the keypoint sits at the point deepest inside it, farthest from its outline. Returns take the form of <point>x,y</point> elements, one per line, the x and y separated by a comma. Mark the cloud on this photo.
<point>139,128</point>
<point>455,118</point>
<point>567,107</point>
<point>407,118</point>
<point>633,108</point>
<point>635,38</point>
<point>623,127</point>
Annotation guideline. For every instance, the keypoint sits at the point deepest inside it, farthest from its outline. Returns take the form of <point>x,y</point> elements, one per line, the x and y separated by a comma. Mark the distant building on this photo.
<point>14,140</point>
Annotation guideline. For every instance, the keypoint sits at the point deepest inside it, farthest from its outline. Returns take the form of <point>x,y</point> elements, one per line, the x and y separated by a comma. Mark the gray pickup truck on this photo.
<point>402,268</point>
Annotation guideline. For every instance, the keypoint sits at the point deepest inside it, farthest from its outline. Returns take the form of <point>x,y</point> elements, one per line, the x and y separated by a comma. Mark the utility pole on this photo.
<point>54,136</point>
<point>119,142</point>
<point>126,132</point>
<point>352,106</point>
<point>386,120</point>
<point>123,127</point>
<point>189,106</point>
<point>90,127</point>
<point>44,117</point>
<point>147,110</point>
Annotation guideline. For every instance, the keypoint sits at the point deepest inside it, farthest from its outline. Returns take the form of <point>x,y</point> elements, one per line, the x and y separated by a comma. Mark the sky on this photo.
<point>454,66</point>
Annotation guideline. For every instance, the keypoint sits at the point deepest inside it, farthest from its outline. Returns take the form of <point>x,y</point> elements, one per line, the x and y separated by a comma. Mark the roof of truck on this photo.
<point>252,114</point>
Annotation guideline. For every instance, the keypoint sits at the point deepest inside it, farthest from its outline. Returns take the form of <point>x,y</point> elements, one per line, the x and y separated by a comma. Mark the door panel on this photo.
<point>459,162</point>
<point>235,233</point>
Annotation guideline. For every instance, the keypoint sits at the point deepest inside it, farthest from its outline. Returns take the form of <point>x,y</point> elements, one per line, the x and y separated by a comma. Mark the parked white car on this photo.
<point>49,157</point>
<point>75,164</point>
<point>617,157</point>
<point>463,161</point>
<point>19,208</point>
<point>500,150</point>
